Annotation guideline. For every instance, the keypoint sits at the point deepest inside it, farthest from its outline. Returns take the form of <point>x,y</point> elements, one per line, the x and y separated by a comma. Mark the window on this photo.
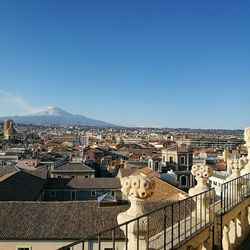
<point>156,166</point>
<point>182,159</point>
<point>171,159</point>
<point>59,176</point>
<point>215,183</point>
<point>86,176</point>
<point>183,180</point>
<point>23,248</point>
<point>93,192</point>
<point>72,176</point>
<point>112,193</point>
<point>108,248</point>
<point>52,194</point>
<point>73,195</point>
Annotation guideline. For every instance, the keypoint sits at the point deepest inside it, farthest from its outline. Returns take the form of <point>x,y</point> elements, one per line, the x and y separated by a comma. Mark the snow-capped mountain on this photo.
<point>50,111</point>
<point>57,116</point>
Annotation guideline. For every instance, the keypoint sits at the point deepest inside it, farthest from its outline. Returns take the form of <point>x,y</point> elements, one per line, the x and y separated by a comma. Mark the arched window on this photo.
<point>156,166</point>
<point>184,180</point>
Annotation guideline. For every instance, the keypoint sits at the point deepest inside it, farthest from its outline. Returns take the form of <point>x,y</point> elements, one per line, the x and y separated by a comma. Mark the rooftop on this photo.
<point>86,183</point>
<point>43,220</point>
<point>23,186</point>
<point>7,170</point>
<point>73,167</point>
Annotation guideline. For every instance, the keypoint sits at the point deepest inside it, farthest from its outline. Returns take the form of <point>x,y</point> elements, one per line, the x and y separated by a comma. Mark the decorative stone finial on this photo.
<point>246,169</point>
<point>137,189</point>
<point>137,186</point>
<point>243,162</point>
<point>247,136</point>
<point>236,165</point>
<point>201,172</point>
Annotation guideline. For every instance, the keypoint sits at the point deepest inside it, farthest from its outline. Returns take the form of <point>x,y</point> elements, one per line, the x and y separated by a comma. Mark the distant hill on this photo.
<point>57,116</point>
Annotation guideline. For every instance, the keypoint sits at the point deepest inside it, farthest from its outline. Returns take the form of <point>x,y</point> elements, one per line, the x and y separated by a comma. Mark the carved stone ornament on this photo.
<point>247,136</point>
<point>137,189</point>
<point>137,186</point>
<point>201,173</point>
<point>246,169</point>
<point>235,165</point>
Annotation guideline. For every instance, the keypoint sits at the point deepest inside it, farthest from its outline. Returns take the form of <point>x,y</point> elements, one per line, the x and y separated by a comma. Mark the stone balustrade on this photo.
<point>230,227</point>
<point>234,226</point>
<point>246,168</point>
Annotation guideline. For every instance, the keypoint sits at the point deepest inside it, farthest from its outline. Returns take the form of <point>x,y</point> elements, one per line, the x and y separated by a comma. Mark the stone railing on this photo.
<point>233,215</point>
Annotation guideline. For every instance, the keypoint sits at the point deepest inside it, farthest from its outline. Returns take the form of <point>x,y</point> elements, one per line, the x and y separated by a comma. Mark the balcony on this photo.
<point>202,221</point>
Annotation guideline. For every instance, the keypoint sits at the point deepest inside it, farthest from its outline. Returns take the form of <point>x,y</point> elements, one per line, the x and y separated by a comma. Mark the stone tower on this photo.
<point>8,130</point>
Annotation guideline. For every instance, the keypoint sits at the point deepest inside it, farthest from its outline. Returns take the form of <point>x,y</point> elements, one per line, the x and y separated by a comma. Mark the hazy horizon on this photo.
<point>121,125</point>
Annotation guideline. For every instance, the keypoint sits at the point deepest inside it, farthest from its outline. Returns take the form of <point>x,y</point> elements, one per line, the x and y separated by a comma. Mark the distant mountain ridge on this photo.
<point>57,116</point>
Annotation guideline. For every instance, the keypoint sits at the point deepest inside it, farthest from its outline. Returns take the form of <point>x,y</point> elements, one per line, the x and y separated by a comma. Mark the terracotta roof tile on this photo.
<point>68,220</point>
<point>23,186</point>
<point>86,183</point>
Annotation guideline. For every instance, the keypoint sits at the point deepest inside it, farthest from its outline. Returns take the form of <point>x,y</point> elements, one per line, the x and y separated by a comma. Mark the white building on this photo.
<point>216,180</point>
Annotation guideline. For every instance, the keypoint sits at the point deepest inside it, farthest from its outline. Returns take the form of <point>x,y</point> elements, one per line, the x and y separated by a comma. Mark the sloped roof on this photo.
<point>123,172</point>
<point>178,149</point>
<point>23,186</point>
<point>60,149</point>
<point>54,220</point>
<point>220,166</point>
<point>61,220</point>
<point>83,183</point>
<point>146,171</point>
<point>7,169</point>
<point>73,167</point>
<point>137,164</point>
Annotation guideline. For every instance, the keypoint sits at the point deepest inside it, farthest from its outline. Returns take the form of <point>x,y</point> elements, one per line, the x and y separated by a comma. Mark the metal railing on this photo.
<point>168,227</point>
<point>234,191</point>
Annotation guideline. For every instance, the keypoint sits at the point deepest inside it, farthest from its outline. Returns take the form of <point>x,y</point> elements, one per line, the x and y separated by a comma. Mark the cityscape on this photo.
<point>48,171</point>
<point>124,125</point>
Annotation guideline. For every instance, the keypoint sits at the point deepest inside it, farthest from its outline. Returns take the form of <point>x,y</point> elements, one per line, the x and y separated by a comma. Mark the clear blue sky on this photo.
<point>153,63</point>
